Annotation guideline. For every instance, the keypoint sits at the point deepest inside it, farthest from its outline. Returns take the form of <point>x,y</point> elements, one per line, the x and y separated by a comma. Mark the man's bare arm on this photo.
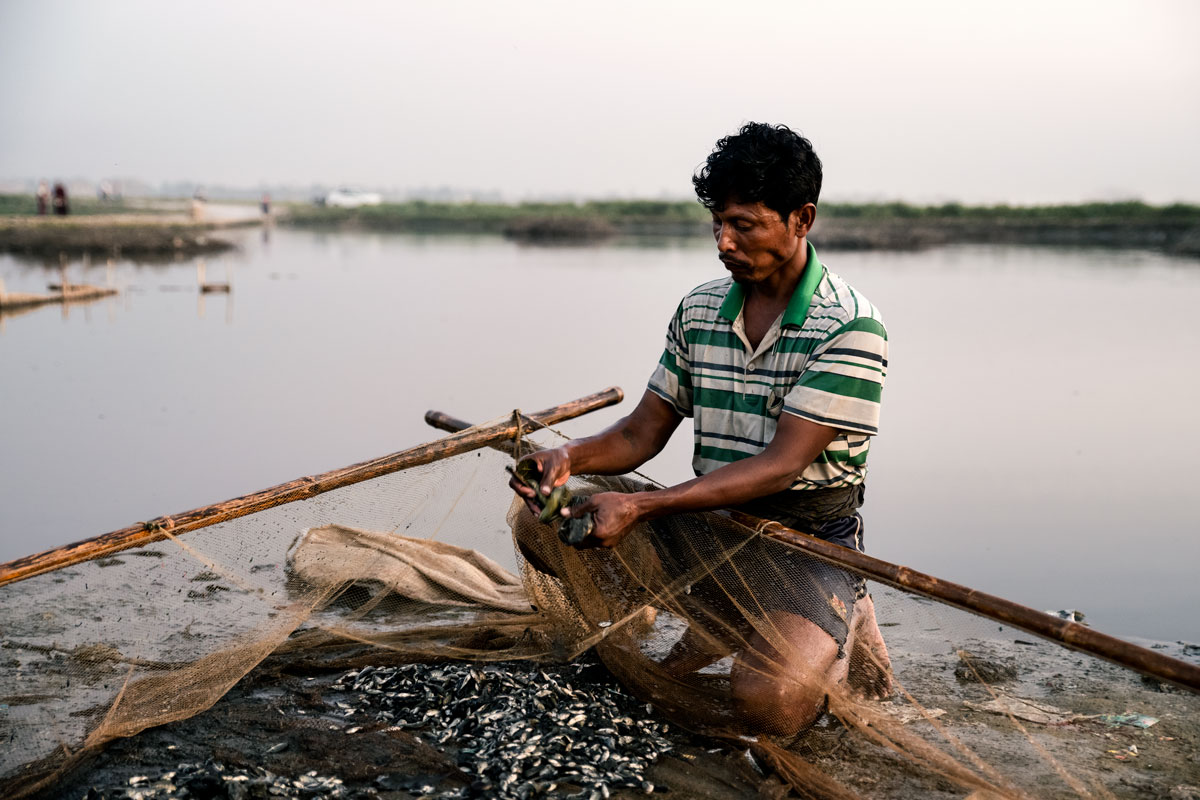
<point>619,448</point>
<point>628,443</point>
<point>797,442</point>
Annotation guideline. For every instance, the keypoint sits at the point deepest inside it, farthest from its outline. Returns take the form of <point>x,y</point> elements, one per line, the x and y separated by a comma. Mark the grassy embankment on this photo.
<point>526,220</point>
<point>147,228</point>
<point>1174,228</point>
<point>143,229</point>
<point>26,206</point>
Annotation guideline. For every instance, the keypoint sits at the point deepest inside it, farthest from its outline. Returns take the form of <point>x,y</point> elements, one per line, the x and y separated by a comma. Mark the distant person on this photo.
<point>60,200</point>
<point>199,200</point>
<point>43,198</point>
<point>266,204</point>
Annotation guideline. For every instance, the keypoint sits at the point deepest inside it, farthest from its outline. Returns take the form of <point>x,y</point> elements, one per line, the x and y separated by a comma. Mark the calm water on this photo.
<point>1037,436</point>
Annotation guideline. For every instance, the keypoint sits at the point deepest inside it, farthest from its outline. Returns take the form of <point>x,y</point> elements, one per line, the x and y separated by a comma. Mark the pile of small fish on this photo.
<point>519,730</point>
<point>213,780</point>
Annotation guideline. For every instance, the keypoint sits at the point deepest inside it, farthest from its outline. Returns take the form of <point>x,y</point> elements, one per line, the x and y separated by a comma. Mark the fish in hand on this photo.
<point>575,531</point>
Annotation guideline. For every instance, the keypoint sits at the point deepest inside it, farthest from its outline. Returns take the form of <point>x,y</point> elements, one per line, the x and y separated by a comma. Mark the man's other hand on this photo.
<point>614,514</point>
<point>554,467</point>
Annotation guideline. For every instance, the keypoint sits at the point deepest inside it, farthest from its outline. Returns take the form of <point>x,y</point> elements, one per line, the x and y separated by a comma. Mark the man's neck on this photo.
<point>767,299</point>
<point>778,288</point>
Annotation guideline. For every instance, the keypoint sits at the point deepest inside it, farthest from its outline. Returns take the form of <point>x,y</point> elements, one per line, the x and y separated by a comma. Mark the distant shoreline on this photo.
<point>889,226</point>
<point>147,230</point>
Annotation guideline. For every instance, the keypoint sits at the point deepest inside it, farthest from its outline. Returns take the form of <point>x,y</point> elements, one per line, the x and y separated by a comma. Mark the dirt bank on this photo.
<point>131,236</point>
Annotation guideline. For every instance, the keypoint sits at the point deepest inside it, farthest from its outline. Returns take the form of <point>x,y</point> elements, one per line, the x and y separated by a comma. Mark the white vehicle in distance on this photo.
<point>350,198</point>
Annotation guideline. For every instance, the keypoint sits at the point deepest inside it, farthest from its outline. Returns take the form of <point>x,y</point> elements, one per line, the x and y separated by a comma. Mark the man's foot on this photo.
<point>870,669</point>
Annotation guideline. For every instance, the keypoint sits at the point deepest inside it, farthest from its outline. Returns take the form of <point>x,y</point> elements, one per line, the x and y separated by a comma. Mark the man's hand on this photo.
<point>554,466</point>
<point>796,443</point>
<point>614,514</point>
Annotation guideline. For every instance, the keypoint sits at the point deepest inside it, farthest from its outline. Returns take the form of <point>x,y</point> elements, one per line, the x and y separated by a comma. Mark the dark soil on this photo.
<point>292,725</point>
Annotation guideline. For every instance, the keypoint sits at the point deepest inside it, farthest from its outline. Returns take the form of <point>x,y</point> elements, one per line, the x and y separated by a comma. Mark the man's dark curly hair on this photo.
<point>771,164</point>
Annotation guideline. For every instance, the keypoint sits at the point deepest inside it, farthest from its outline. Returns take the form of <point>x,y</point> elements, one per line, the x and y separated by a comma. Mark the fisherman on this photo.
<point>781,366</point>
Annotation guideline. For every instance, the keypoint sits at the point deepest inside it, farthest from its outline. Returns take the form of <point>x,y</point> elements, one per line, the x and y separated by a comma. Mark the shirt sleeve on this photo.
<point>842,384</point>
<point>672,378</point>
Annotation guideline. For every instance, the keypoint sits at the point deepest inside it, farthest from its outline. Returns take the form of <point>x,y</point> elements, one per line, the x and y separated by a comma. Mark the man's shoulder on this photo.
<point>705,300</point>
<point>837,304</point>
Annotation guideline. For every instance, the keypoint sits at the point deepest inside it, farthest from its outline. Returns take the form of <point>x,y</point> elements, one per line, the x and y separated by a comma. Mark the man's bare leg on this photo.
<point>779,683</point>
<point>870,668</point>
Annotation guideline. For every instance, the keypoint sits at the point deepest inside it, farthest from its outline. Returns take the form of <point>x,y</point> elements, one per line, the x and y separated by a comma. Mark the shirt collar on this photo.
<point>797,309</point>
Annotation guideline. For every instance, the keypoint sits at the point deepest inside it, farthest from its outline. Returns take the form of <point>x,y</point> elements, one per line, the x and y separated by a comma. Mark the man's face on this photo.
<point>753,242</point>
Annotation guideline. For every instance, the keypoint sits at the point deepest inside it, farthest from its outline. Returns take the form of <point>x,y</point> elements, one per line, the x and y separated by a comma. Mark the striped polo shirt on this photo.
<point>824,359</point>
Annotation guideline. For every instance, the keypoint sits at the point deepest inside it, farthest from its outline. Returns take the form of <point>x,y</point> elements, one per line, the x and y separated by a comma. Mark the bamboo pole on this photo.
<point>445,422</point>
<point>142,533</point>
<point>1070,634</point>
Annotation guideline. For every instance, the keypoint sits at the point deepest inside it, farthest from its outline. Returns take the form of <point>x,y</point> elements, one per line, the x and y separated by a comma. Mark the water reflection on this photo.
<point>1036,434</point>
<point>225,300</point>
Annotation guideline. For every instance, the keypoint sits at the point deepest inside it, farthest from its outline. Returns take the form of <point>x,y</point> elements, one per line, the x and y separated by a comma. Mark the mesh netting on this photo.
<point>696,614</point>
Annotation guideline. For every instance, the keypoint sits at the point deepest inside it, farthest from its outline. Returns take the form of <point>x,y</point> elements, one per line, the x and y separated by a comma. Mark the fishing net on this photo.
<point>695,615</point>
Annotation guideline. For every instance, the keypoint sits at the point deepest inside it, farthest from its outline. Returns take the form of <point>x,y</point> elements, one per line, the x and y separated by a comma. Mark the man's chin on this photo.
<point>736,271</point>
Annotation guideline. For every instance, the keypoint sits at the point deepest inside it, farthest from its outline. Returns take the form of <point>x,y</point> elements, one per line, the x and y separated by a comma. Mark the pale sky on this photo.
<point>921,100</point>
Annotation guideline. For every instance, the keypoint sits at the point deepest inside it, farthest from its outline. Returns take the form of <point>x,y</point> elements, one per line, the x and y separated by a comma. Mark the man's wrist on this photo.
<point>645,505</point>
<point>565,450</point>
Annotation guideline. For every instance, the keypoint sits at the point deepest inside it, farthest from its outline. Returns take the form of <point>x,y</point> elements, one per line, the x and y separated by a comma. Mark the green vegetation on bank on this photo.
<point>1132,224</point>
<point>893,226</point>
<point>26,205</point>
<point>650,212</point>
<point>495,217</point>
<point>1133,211</point>
<point>621,212</point>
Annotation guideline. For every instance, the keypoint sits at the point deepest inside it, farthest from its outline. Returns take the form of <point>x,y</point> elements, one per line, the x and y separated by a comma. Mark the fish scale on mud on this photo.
<point>514,730</point>
<point>213,780</point>
<point>521,730</point>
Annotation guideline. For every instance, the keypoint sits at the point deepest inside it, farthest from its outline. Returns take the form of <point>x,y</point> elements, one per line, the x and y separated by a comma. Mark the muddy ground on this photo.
<point>293,725</point>
<point>63,659</point>
<point>289,722</point>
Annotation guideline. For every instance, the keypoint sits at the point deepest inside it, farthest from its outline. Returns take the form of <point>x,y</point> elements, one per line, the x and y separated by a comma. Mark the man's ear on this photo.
<point>803,218</point>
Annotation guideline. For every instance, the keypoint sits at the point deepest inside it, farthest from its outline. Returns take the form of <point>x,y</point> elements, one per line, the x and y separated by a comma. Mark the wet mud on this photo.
<point>284,733</point>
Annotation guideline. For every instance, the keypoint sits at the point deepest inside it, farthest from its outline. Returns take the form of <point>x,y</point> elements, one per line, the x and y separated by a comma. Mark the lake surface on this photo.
<point>1037,437</point>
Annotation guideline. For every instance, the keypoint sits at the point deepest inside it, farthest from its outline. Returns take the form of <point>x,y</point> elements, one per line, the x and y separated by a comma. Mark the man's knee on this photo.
<point>783,689</point>
<point>766,693</point>
<point>783,705</point>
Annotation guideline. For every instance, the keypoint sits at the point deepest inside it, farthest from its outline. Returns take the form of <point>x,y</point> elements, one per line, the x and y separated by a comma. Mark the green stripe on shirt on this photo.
<point>827,364</point>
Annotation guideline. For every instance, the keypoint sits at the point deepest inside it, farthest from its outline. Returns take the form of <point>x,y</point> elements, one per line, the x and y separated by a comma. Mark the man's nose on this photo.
<point>724,240</point>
